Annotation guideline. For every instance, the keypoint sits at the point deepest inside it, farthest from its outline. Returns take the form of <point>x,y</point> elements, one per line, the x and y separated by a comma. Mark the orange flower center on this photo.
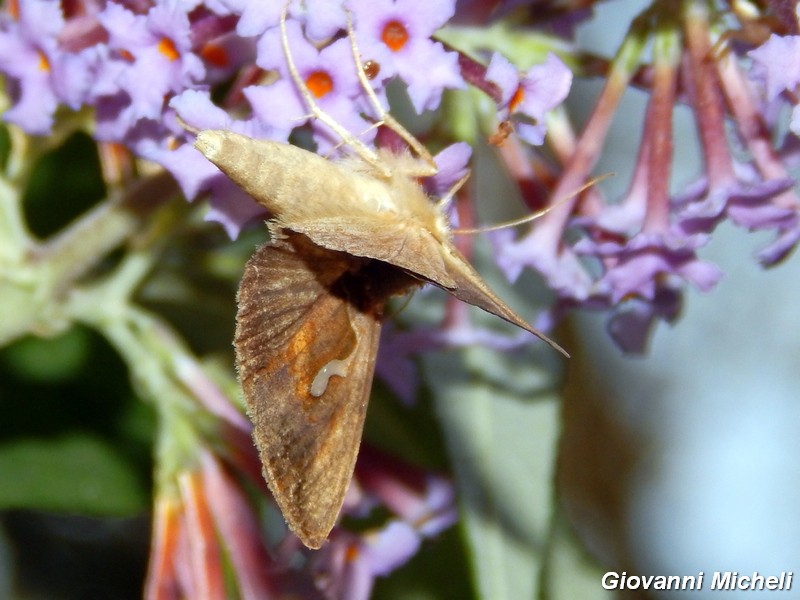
<point>516,99</point>
<point>351,553</point>
<point>215,55</point>
<point>168,49</point>
<point>44,64</point>
<point>319,83</point>
<point>394,35</point>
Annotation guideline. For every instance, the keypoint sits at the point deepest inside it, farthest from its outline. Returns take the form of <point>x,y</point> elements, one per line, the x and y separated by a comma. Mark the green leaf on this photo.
<point>52,360</point>
<point>501,423</point>
<point>71,474</point>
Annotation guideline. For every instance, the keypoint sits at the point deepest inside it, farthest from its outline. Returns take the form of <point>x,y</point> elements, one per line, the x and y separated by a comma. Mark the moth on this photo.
<point>346,236</point>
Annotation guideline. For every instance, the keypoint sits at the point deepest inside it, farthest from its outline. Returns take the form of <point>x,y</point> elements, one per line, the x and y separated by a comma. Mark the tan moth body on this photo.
<point>352,207</point>
<point>342,206</point>
<point>346,237</point>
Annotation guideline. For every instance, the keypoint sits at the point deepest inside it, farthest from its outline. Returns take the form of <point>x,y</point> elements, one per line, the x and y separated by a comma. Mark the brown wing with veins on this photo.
<point>300,307</point>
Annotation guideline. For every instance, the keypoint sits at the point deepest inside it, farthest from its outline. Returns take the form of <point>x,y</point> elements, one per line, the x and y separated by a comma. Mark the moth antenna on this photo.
<point>533,216</point>
<point>364,151</point>
<point>383,117</point>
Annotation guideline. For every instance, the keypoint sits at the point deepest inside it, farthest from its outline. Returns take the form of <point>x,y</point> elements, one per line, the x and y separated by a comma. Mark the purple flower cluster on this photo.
<point>140,64</point>
<point>634,257</point>
<point>421,504</point>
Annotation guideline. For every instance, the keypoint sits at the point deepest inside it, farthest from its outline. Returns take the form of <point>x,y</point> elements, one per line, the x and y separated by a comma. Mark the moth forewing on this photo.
<point>291,183</point>
<point>345,206</point>
<point>470,287</point>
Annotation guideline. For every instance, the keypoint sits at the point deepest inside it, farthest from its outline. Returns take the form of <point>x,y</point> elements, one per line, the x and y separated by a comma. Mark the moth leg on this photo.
<point>364,151</point>
<point>343,143</point>
<point>428,167</point>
